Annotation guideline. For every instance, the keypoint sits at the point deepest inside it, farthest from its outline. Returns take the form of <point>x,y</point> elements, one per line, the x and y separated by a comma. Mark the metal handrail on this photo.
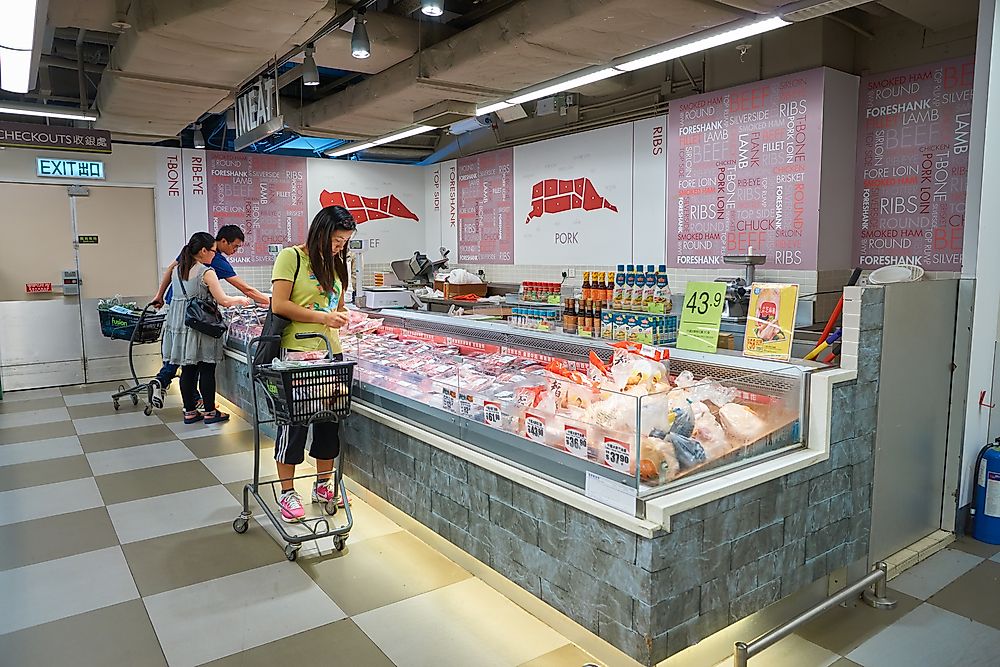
<point>872,587</point>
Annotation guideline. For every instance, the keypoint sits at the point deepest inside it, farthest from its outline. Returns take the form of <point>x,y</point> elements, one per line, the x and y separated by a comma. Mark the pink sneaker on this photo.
<point>325,492</point>
<point>291,507</point>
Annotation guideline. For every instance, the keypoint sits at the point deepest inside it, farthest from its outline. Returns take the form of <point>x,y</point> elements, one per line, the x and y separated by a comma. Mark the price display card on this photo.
<point>701,317</point>
<point>771,321</point>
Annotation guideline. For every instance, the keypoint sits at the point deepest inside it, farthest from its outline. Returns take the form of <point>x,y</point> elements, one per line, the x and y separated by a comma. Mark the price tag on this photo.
<point>448,399</point>
<point>554,300</point>
<point>465,404</point>
<point>701,317</point>
<point>534,428</point>
<point>575,440</point>
<point>585,333</point>
<point>492,414</point>
<point>617,455</point>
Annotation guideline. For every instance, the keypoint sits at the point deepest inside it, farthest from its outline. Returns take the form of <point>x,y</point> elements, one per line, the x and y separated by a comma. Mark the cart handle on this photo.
<point>309,334</point>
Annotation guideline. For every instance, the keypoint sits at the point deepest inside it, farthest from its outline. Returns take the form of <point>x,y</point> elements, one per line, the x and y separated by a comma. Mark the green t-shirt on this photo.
<point>306,293</point>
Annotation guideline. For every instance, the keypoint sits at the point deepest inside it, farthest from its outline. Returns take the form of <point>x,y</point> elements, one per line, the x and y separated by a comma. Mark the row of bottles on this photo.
<point>582,317</point>
<point>636,289</point>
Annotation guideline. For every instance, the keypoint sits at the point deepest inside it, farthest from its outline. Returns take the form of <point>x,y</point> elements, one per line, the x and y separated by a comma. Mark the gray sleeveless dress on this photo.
<point>182,345</point>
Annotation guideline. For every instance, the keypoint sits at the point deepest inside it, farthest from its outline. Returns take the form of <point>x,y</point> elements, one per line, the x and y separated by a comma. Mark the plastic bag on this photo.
<point>657,462</point>
<point>682,421</point>
<point>741,423</point>
<point>688,451</point>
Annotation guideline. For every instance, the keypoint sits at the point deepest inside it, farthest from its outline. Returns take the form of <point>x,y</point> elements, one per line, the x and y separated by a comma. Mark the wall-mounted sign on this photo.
<point>258,113</point>
<point>486,208</point>
<point>89,239</point>
<point>55,168</point>
<point>37,288</point>
<point>27,135</point>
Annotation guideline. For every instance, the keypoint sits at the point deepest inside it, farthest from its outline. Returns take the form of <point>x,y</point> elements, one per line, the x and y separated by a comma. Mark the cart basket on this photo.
<point>319,393</point>
<point>136,328</point>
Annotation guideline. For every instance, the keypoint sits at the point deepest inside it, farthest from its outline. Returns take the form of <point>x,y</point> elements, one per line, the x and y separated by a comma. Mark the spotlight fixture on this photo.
<point>198,137</point>
<point>432,7</point>
<point>361,46</point>
<point>310,73</point>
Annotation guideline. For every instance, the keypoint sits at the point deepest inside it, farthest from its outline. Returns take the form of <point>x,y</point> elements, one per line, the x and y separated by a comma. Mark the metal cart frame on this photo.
<point>318,527</point>
<point>145,388</point>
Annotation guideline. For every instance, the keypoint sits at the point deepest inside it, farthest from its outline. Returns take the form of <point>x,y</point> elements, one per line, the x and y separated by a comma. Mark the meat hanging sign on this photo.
<point>743,173</point>
<point>913,163</point>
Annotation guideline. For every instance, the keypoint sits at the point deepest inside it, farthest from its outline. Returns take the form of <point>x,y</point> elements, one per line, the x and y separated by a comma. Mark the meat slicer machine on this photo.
<point>738,289</point>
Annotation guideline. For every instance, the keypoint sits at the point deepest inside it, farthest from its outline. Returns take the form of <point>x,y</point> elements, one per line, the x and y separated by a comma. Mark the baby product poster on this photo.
<point>771,321</point>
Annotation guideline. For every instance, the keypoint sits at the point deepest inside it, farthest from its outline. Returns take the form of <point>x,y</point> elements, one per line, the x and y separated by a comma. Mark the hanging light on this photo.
<point>198,137</point>
<point>432,7</point>
<point>310,73</point>
<point>361,46</point>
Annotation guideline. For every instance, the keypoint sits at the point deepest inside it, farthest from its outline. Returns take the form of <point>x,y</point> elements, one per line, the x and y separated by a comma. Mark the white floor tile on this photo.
<point>17,419</point>
<point>31,395</point>
<point>930,576</point>
<point>467,623</point>
<point>238,467</point>
<point>40,450</point>
<point>114,423</point>
<point>929,636</point>
<point>208,621</point>
<point>60,588</point>
<point>996,558</point>
<point>173,513</point>
<point>135,458</point>
<point>199,430</point>
<point>76,400</point>
<point>38,502</point>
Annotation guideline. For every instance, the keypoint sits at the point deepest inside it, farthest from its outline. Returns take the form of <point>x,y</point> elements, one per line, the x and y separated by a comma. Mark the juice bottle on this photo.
<point>629,287</point>
<point>619,287</point>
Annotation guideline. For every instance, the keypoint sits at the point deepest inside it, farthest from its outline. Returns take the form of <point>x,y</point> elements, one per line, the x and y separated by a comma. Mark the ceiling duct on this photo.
<point>182,58</point>
<point>810,9</point>
<point>444,113</point>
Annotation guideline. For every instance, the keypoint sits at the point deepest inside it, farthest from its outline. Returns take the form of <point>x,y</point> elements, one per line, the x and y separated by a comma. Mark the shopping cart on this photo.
<point>142,329</point>
<point>320,392</point>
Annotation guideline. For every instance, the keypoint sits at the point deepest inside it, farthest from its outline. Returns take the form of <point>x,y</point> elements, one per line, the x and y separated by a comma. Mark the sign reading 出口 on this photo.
<point>913,160</point>
<point>743,173</point>
<point>486,208</point>
<point>264,194</point>
<point>27,135</point>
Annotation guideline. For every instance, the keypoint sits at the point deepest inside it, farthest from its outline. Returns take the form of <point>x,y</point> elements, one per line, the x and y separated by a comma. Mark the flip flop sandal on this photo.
<point>216,418</point>
<point>193,417</point>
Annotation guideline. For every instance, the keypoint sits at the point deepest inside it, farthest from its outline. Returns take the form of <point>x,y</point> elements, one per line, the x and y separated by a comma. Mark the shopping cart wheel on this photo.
<point>330,507</point>
<point>241,525</point>
<point>292,551</point>
<point>117,406</point>
<point>147,411</point>
<point>135,400</point>
<point>339,542</point>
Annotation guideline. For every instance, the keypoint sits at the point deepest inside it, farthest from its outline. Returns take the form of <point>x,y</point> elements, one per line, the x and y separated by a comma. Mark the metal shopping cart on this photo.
<point>319,392</point>
<point>142,329</point>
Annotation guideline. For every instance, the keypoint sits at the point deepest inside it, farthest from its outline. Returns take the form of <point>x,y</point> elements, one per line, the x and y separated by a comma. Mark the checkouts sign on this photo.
<point>701,317</point>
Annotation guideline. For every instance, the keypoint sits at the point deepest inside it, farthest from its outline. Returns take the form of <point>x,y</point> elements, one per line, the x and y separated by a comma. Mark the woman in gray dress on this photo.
<point>196,353</point>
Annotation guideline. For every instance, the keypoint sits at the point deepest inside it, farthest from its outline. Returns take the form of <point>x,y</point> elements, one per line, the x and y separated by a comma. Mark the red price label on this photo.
<point>617,455</point>
<point>534,428</point>
<point>492,414</point>
<point>575,440</point>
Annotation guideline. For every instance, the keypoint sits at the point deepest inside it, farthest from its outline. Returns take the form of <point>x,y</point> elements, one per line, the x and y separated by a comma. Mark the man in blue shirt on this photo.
<point>228,241</point>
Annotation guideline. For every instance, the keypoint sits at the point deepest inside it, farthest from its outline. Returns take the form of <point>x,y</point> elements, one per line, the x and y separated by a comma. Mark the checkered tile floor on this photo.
<point>116,548</point>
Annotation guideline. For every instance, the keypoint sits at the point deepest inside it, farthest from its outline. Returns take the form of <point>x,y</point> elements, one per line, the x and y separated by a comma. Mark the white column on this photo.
<point>982,242</point>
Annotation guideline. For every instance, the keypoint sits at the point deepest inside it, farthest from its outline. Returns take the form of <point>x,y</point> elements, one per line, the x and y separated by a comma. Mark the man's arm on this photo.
<point>164,284</point>
<point>243,287</point>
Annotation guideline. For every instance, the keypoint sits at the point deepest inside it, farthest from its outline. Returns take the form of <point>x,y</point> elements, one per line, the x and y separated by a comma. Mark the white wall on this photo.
<point>837,171</point>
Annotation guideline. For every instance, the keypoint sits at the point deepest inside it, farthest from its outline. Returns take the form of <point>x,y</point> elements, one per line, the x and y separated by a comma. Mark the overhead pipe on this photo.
<point>80,77</point>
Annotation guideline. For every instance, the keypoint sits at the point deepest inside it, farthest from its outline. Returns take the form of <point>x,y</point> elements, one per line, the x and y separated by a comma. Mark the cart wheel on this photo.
<point>147,411</point>
<point>339,541</point>
<point>241,525</point>
<point>330,507</point>
<point>291,551</point>
<point>135,400</point>
<point>117,406</point>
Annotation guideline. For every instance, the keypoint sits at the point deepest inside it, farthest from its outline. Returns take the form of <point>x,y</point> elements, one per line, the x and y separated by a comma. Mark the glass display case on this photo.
<point>561,407</point>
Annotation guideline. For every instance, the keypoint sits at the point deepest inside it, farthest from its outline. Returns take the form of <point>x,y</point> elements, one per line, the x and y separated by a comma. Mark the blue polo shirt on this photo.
<point>223,269</point>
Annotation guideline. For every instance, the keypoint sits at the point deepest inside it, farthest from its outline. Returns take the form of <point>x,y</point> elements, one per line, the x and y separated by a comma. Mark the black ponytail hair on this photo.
<point>199,241</point>
<point>326,265</point>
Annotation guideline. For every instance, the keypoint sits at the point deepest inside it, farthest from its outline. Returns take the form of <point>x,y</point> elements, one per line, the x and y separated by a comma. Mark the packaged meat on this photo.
<point>657,462</point>
<point>741,423</point>
<point>682,420</point>
<point>688,451</point>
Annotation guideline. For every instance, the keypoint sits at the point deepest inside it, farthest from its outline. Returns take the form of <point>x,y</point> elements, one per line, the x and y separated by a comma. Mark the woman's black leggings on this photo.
<point>193,377</point>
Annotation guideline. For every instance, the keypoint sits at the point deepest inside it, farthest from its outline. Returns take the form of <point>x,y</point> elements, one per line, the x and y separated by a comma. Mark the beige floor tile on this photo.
<point>36,473</point>
<point>112,636</point>
<point>31,542</point>
<point>178,560</point>
<point>200,430</point>
<point>96,388</point>
<point>844,628</point>
<point>968,595</point>
<point>31,395</point>
<point>341,643</point>
<point>231,443</point>
<point>61,429</point>
<point>129,437</point>
<point>467,623</point>
<point>149,518</point>
<point>380,571</point>
<point>793,651</point>
<point>141,456</point>
<point>40,450</point>
<point>123,487</point>
<point>567,656</point>
<point>48,500</point>
<point>105,409</point>
<point>9,407</point>
<point>115,422</point>
<point>88,399</point>
<point>34,417</point>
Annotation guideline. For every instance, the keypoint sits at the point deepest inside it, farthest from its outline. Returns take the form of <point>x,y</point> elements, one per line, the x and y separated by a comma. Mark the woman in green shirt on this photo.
<point>307,287</point>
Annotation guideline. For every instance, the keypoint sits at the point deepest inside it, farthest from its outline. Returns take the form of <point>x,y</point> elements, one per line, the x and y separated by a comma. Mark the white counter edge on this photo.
<point>660,510</point>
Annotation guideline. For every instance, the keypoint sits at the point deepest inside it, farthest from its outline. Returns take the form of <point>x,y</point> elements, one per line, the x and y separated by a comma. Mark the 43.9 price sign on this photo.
<point>701,317</point>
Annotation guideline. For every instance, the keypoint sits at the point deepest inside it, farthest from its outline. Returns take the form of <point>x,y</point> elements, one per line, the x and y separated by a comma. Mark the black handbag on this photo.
<point>203,315</point>
<point>274,325</point>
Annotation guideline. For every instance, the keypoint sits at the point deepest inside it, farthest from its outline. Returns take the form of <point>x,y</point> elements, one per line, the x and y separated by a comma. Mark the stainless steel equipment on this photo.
<point>738,289</point>
<point>419,270</point>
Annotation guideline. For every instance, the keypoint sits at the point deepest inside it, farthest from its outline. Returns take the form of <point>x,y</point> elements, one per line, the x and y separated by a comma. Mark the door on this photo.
<point>121,263</point>
<point>40,334</point>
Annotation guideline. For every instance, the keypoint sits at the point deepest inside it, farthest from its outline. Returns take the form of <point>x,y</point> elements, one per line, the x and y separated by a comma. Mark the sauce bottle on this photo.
<point>649,294</point>
<point>619,287</point>
<point>629,287</point>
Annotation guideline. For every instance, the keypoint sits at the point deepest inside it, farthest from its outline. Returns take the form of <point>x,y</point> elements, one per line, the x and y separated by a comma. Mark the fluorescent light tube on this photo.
<point>419,129</point>
<point>570,82</point>
<point>347,150</point>
<point>15,70</point>
<point>662,54</point>
<point>17,36</point>
<point>19,109</point>
<point>490,108</point>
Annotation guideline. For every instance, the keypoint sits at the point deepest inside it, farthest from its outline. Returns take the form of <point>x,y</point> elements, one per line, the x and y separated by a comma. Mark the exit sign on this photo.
<point>54,168</point>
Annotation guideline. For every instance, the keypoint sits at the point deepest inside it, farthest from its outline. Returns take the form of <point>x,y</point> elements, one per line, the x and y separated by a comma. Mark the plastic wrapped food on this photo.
<point>741,423</point>
<point>657,462</point>
<point>709,433</point>
<point>682,421</point>
<point>688,451</point>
